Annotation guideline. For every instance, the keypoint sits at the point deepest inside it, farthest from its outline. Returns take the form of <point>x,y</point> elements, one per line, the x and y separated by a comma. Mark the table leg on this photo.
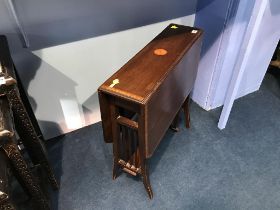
<point>187,112</point>
<point>116,139</point>
<point>143,160</point>
<point>146,178</point>
<point>175,124</point>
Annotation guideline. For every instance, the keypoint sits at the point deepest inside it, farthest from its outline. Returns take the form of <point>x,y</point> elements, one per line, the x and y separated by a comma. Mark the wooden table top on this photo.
<point>141,76</point>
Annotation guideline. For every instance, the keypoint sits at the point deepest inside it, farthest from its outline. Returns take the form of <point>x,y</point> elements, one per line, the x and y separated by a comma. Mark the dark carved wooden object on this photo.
<point>142,100</point>
<point>5,202</point>
<point>10,148</point>
<point>24,126</point>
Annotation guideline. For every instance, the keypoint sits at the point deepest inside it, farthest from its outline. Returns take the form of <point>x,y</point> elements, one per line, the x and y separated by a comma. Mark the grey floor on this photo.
<point>197,168</point>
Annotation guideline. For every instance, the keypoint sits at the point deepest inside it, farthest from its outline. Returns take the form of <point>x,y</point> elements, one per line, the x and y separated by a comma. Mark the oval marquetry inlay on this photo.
<point>160,52</point>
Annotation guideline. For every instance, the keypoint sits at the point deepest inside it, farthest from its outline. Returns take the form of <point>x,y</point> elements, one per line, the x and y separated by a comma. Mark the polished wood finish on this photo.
<point>152,87</point>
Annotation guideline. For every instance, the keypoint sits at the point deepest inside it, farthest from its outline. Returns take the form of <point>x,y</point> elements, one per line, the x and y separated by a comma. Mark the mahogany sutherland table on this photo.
<point>141,100</point>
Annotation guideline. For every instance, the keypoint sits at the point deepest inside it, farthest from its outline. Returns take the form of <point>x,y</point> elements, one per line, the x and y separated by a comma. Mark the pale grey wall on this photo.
<point>75,45</point>
<point>6,21</point>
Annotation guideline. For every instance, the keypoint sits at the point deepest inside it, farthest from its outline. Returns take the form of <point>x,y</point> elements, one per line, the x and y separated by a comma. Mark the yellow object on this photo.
<point>115,81</point>
<point>174,27</point>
